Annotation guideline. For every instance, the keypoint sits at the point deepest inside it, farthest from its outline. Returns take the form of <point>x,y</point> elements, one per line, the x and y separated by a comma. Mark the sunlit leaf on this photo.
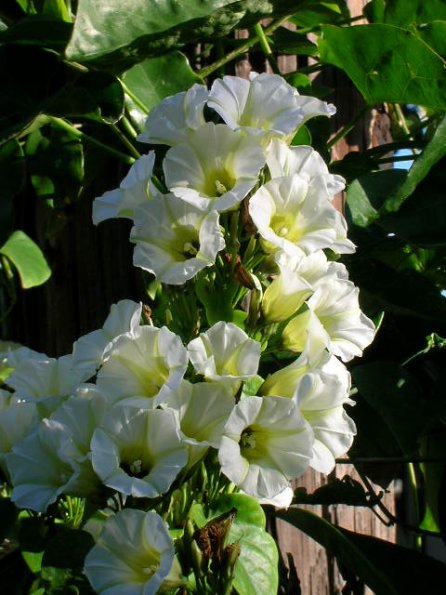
<point>27,258</point>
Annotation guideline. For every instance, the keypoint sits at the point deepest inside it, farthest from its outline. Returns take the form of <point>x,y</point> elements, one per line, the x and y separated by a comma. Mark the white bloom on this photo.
<point>203,409</point>
<point>290,215</point>
<point>175,117</point>
<point>140,363</point>
<point>334,318</point>
<point>137,451</point>
<point>45,465</point>
<point>174,239</point>
<point>314,267</point>
<point>215,168</point>
<point>265,103</point>
<point>320,386</point>
<point>47,382</point>
<point>266,443</point>
<point>225,353</point>
<point>283,160</point>
<point>17,420</point>
<point>133,555</point>
<point>89,350</point>
<point>282,500</point>
<point>135,189</point>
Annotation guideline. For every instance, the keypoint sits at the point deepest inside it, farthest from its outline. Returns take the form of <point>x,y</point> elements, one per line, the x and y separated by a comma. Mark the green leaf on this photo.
<point>56,165</point>
<point>386,63</point>
<point>249,511</point>
<point>404,13</point>
<point>33,560</point>
<point>366,194</point>
<point>57,9</point>
<point>312,13</point>
<point>433,446</point>
<point>38,30</point>
<point>433,152</point>
<point>68,549</point>
<point>388,569</point>
<point>23,97</point>
<point>12,179</point>
<point>27,258</point>
<point>392,392</point>
<point>256,570</point>
<point>149,83</point>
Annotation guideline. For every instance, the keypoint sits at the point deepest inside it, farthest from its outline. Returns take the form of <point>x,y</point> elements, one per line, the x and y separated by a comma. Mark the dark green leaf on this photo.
<point>313,13</point>
<point>38,30</point>
<point>386,63</point>
<point>366,194</point>
<point>68,549</point>
<point>433,152</point>
<point>292,42</point>
<point>404,13</point>
<point>23,97</point>
<point>337,491</point>
<point>27,258</point>
<point>434,446</point>
<point>249,511</point>
<point>388,569</point>
<point>390,390</point>
<point>434,34</point>
<point>12,178</point>
<point>8,517</point>
<point>151,80</point>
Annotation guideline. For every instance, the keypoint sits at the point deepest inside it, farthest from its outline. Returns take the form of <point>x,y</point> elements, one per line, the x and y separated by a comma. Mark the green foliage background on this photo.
<point>77,82</point>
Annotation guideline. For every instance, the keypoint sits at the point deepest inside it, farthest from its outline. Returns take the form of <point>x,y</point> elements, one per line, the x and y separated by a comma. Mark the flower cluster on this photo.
<point>239,365</point>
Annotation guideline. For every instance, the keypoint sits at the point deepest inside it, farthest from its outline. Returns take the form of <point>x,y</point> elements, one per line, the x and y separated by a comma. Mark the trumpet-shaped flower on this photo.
<point>133,555</point>
<point>174,239</point>
<point>266,103</point>
<point>45,465</point>
<point>333,317</point>
<point>89,350</point>
<point>135,189</point>
<point>215,168</point>
<point>283,160</point>
<point>138,451</point>
<point>320,387</point>
<point>172,120</point>
<point>140,363</point>
<point>266,442</point>
<point>225,353</point>
<point>292,216</point>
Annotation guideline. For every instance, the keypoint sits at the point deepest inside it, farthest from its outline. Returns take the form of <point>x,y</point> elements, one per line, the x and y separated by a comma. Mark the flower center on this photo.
<point>247,439</point>
<point>135,468</point>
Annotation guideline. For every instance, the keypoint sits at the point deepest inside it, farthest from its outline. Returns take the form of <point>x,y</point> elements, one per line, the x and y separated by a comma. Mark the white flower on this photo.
<point>290,215</point>
<point>45,465</point>
<point>17,420</point>
<point>334,318</point>
<point>140,363</point>
<point>137,451</point>
<point>175,117</point>
<point>174,239</point>
<point>266,103</point>
<point>215,168</point>
<point>46,382</point>
<point>320,386</point>
<point>135,189</point>
<point>203,409</point>
<point>89,350</point>
<point>283,160</point>
<point>133,555</point>
<point>266,443</point>
<point>225,353</point>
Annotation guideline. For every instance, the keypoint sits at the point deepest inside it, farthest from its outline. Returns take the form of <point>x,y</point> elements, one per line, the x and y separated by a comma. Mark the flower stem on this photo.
<point>61,123</point>
<point>266,48</point>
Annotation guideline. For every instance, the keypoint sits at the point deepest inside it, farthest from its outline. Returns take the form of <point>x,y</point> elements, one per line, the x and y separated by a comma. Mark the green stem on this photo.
<point>125,141</point>
<point>266,48</point>
<point>61,123</point>
<point>134,98</point>
<point>347,128</point>
<point>128,127</point>
<point>413,488</point>
<point>204,72</point>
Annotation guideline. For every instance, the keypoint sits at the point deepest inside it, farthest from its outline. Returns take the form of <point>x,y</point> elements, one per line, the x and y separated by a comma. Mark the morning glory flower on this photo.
<point>139,363</point>
<point>215,168</point>
<point>266,103</point>
<point>172,120</point>
<point>89,350</point>
<point>225,353</point>
<point>133,555</point>
<point>138,451</point>
<point>320,386</point>
<point>266,442</point>
<point>290,215</point>
<point>135,189</point>
<point>174,239</point>
<point>333,317</point>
